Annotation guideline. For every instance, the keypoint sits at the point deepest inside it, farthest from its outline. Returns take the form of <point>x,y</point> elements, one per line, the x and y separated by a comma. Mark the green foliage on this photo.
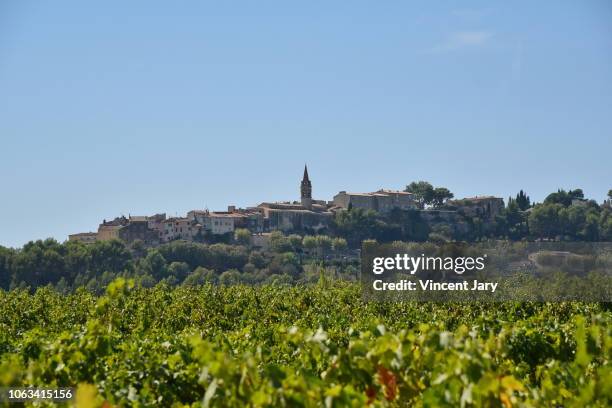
<point>423,192</point>
<point>339,244</point>
<point>310,346</point>
<point>279,242</point>
<point>309,242</point>
<point>563,197</point>
<point>523,201</point>
<point>512,222</point>
<point>242,236</point>
<point>200,276</point>
<point>5,274</point>
<point>440,195</point>
<point>576,222</point>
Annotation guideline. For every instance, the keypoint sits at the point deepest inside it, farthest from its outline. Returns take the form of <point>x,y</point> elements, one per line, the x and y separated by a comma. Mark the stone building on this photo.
<point>84,237</point>
<point>129,230</point>
<point>295,217</point>
<point>219,223</point>
<point>306,190</point>
<point>224,222</point>
<point>382,201</point>
<point>216,223</point>
<point>155,222</point>
<point>179,228</point>
<point>484,207</point>
<point>110,229</point>
<point>137,228</point>
<point>307,215</point>
<point>250,218</point>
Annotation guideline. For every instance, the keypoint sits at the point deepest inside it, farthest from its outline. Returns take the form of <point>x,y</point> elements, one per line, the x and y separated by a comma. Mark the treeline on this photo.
<point>563,216</point>
<point>69,265</point>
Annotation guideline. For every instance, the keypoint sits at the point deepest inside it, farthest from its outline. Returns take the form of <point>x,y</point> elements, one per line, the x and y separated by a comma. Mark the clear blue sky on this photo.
<point>140,107</point>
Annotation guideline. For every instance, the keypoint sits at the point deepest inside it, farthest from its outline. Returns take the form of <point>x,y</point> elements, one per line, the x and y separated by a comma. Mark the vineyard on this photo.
<point>310,345</point>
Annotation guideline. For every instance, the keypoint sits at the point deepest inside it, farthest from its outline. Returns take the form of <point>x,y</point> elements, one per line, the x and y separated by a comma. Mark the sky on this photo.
<point>138,107</point>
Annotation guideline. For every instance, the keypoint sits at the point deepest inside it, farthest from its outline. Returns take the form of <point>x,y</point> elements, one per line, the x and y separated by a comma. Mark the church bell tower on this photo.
<point>306,190</point>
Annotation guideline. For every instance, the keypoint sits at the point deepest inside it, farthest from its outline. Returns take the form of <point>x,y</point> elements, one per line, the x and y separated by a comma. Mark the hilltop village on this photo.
<point>305,216</point>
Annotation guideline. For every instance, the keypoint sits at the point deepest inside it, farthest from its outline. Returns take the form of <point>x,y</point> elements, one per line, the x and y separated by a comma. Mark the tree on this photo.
<point>309,243</point>
<point>180,270</point>
<point>155,265</point>
<point>230,277</point>
<point>545,220</point>
<point>423,192</point>
<point>296,241</point>
<point>39,263</point>
<point>511,222</point>
<point>324,243</point>
<point>110,255</point>
<point>5,274</point>
<point>610,194</point>
<point>577,193</point>
<point>138,248</point>
<point>355,225</point>
<point>242,236</point>
<point>590,231</point>
<point>200,276</point>
<point>605,225</point>
<point>257,259</point>
<point>564,198</point>
<point>339,244</point>
<point>523,201</point>
<point>279,242</point>
<point>440,195</point>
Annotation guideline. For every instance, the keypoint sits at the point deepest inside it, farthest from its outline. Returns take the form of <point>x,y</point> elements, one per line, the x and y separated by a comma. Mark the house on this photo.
<point>128,229</point>
<point>179,228</point>
<point>216,223</point>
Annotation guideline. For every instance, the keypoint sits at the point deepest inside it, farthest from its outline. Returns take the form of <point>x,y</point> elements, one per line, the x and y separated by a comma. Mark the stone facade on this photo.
<point>483,207</point>
<point>295,217</point>
<point>110,229</point>
<point>155,222</point>
<point>108,232</point>
<point>382,201</point>
<point>84,237</point>
<point>251,219</point>
<point>306,190</point>
<point>129,230</point>
<point>179,228</point>
<point>137,228</point>
<point>308,215</point>
<point>216,223</point>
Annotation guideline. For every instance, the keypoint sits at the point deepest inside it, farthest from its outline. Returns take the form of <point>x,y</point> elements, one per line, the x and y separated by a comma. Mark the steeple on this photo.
<point>306,190</point>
